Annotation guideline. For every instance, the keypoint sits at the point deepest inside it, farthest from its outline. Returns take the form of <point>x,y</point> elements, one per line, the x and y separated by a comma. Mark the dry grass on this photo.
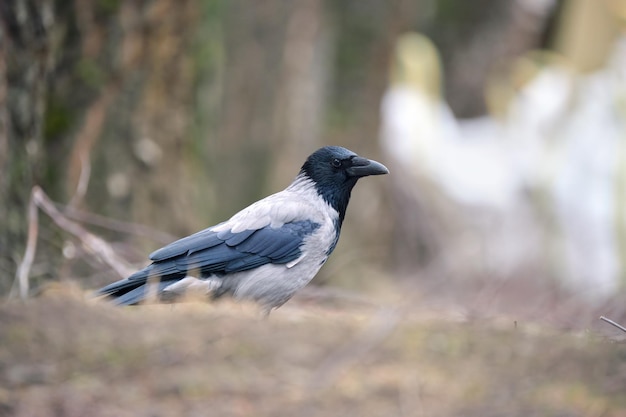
<point>62,356</point>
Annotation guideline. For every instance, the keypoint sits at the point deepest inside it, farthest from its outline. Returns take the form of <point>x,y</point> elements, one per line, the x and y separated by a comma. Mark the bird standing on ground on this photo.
<point>267,251</point>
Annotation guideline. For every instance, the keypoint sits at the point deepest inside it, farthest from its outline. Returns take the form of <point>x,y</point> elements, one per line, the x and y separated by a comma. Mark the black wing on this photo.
<point>209,252</point>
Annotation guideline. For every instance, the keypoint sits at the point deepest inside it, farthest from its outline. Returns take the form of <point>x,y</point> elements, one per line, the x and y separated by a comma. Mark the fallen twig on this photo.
<point>92,243</point>
<point>611,322</point>
<point>31,246</point>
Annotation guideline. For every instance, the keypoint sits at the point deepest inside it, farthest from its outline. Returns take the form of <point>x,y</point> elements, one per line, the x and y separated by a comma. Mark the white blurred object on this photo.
<point>420,133</point>
<point>533,121</point>
<point>588,190</point>
<point>561,134</point>
<point>469,161</point>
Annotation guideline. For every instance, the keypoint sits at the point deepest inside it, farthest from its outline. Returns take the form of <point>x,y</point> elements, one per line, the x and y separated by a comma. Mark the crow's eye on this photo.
<point>336,163</point>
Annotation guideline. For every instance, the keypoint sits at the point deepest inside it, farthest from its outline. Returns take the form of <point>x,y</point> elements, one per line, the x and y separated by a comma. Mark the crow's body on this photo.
<point>267,251</point>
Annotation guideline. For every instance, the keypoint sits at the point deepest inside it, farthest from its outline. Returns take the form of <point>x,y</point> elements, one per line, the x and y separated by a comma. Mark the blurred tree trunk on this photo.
<point>96,99</point>
<point>278,65</point>
<point>254,36</point>
<point>161,174</point>
<point>148,70</point>
<point>25,62</point>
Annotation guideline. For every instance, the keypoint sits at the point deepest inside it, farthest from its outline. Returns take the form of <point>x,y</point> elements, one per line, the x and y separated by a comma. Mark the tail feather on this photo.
<point>140,294</point>
<point>134,289</point>
<point>122,286</point>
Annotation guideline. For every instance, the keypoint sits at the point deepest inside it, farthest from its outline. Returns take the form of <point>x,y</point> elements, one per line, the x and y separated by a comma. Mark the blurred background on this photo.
<point>502,122</point>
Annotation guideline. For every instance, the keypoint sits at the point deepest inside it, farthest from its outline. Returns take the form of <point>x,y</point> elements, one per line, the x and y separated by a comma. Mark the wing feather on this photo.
<point>225,251</point>
<point>204,239</point>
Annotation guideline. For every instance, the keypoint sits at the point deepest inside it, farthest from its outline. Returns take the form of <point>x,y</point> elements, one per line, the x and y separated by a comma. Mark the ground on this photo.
<point>64,355</point>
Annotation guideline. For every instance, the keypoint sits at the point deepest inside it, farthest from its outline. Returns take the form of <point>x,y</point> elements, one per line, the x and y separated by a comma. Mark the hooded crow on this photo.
<point>267,251</point>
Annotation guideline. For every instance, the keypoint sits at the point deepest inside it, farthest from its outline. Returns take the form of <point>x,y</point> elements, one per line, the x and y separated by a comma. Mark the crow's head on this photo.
<point>335,170</point>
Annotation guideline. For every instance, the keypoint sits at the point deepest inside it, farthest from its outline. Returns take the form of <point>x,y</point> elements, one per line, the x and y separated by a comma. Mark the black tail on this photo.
<point>134,289</point>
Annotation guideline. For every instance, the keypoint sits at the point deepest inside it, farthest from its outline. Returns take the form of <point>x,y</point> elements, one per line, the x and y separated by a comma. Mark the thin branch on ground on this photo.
<point>23,269</point>
<point>92,243</point>
<point>611,322</point>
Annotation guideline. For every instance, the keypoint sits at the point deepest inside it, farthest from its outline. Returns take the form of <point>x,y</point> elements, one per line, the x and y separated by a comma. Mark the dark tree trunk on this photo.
<point>25,62</point>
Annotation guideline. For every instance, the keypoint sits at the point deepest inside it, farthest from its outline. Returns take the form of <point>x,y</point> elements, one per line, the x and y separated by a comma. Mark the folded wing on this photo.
<point>215,251</point>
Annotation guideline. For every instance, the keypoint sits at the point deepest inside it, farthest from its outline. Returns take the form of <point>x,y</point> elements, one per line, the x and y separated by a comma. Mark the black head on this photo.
<point>335,171</point>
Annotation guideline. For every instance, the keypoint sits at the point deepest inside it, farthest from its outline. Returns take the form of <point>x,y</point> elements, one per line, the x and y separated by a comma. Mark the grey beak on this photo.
<point>362,167</point>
